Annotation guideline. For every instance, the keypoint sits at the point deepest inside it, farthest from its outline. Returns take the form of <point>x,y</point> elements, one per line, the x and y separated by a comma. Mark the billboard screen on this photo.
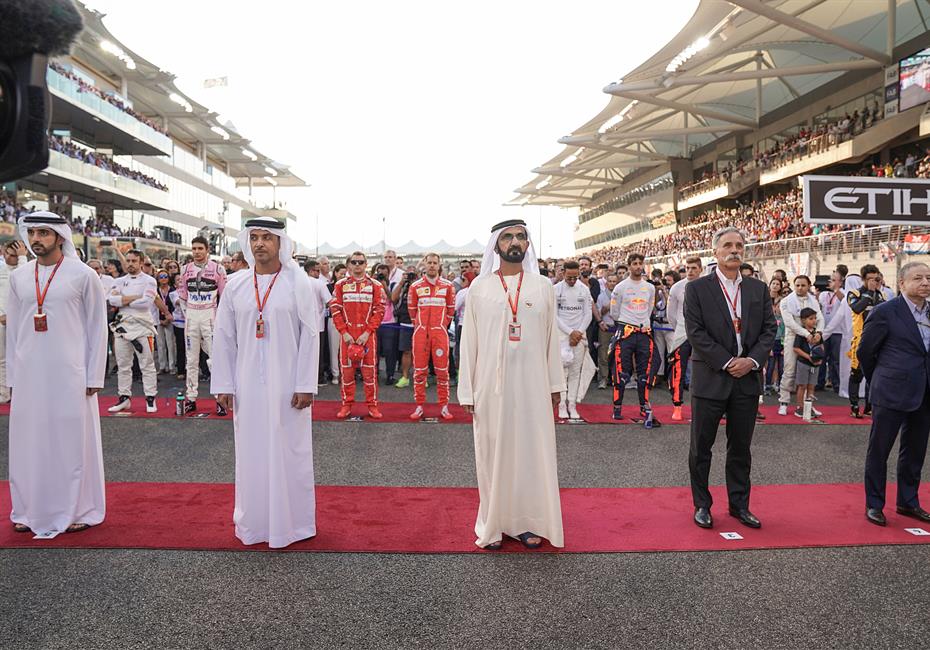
<point>866,200</point>
<point>914,80</point>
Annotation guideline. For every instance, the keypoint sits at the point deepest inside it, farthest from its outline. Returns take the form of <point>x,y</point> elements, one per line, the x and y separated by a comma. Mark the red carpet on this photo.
<point>198,516</point>
<point>325,410</point>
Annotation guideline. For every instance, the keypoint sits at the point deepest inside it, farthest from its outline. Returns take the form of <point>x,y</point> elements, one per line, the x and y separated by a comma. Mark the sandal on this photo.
<point>493,546</point>
<point>524,537</point>
<point>76,528</point>
<point>21,528</point>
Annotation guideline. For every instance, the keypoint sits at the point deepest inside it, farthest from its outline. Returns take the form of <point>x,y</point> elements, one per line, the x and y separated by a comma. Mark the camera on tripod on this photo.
<point>29,33</point>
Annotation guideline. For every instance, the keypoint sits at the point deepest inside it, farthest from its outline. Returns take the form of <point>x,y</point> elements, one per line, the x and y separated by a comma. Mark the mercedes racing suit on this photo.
<point>358,306</point>
<point>200,289</point>
<point>431,306</point>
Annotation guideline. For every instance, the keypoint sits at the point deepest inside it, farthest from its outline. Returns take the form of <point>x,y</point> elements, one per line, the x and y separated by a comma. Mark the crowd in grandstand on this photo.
<point>806,141</point>
<point>102,161</point>
<point>11,210</point>
<point>777,217</point>
<point>85,87</point>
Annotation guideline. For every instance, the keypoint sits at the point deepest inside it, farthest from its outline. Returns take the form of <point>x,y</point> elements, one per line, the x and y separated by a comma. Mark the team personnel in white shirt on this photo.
<point>573,315</point>
<point>791,307</point>
<point>631,308</point>
<point>679,349</point>
<point>134,331</point>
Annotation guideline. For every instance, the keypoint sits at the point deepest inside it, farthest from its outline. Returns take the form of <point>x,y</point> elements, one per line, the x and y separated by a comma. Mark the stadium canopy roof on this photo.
<point>153,92</point>
<point>731,65</point>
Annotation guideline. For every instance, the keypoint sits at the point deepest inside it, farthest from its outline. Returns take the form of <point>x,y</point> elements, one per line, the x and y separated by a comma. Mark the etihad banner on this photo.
<point>866,200</point>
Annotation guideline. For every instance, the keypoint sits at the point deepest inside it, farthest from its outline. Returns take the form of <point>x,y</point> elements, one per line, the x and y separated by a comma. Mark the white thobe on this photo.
<point>5,270</point>
<point>56,459</point>
<point>510,385</point>
<point>275,500</point>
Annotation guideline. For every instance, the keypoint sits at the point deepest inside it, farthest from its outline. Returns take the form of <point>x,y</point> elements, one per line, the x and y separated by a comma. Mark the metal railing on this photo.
<point>845,242</point>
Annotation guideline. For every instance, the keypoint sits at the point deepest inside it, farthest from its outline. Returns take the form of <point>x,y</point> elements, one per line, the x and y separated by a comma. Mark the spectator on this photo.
<point>790,310</point>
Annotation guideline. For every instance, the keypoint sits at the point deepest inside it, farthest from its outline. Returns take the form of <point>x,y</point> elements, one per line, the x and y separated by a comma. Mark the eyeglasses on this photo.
<point>509,237</point>
<point>357,262</point>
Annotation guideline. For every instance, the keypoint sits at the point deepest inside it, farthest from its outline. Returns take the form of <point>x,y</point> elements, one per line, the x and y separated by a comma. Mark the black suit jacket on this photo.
<point>893,358</point>
<point>713,338</point>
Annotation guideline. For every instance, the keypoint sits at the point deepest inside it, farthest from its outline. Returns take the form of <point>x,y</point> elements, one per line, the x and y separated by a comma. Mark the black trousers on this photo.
<point>855,380</point>
<point>636,351</point>
<point>914,427</point>
<point>741,411</point>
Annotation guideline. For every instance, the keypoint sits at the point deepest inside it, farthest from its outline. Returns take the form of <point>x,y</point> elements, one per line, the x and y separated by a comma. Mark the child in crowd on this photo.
<point>809,359</point>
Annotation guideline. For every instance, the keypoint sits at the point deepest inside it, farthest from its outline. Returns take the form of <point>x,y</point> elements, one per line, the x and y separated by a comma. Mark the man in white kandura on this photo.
<point>14,255</point>
<point>510,379</point>
<point>56,320</point>
<point>574,311</point>
<point>266,350</point>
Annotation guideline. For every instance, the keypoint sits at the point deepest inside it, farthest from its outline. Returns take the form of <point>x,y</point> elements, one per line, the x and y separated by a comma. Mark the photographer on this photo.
<point>405,329</point>
<point>387,332</point>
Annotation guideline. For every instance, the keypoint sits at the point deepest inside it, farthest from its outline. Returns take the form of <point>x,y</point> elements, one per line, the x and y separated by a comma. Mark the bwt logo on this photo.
<point>859,200</point>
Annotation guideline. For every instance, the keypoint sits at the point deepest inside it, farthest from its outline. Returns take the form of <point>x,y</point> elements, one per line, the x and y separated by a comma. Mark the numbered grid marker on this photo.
<point>919,532</point>
<point>731,536</point>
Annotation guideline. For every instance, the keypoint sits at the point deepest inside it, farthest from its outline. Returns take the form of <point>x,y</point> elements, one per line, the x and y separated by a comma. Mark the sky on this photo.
<point>417,119</point>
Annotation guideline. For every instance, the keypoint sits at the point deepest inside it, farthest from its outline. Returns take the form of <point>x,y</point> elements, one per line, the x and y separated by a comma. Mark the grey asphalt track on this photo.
<point>801,598</point>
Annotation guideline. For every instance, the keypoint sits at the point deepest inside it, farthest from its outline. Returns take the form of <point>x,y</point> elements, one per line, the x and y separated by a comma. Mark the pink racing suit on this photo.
<point>200,290</point>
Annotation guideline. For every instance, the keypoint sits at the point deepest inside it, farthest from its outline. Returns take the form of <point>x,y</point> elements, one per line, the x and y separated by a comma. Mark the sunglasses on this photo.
<point>357,262</point>
<point>162,275</point>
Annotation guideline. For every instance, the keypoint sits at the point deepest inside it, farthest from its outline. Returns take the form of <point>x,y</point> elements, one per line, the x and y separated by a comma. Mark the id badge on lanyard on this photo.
<point>514,330</point>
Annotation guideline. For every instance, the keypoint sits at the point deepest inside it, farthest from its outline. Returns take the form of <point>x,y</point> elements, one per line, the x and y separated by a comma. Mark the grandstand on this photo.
<point>133,157</point>
<point>717,127</point>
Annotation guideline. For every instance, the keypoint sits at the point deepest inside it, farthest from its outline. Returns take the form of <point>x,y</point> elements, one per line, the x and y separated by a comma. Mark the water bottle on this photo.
<point>179,404</point>
<point>808,409</point>
<point>648,421</point>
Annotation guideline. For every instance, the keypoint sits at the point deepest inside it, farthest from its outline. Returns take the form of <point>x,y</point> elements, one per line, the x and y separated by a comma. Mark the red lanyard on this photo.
<point>40,296</point>
<point>515,303</point>
<point>727,294</point>
<point>261,303</point>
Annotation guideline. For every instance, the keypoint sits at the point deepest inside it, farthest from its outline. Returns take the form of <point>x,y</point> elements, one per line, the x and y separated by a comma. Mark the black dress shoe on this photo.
<point>876,516</point>
<point>702,518</point>
<point>915,513</point>
<point>746,518</point>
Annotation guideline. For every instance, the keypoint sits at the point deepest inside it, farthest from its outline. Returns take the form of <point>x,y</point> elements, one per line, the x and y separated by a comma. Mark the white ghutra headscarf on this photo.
<point>307,307</point>
<point>491,261</point>
<point>52,221</point>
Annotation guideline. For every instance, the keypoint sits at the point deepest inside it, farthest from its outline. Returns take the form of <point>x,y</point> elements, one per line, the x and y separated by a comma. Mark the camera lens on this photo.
<point>6,107</point>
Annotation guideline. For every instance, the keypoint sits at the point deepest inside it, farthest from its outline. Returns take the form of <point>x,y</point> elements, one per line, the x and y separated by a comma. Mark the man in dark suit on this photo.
<point>731,328</point>
<point>893,355</point>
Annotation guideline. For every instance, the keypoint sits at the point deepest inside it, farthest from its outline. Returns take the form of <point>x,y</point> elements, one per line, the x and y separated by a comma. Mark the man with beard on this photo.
<point>134,332</point>
<point>510,378</point>
<point>731,327</point>
<point>265,357</point>
<point>431,302</point>
<point>56,329</point>
<point>631,308</point>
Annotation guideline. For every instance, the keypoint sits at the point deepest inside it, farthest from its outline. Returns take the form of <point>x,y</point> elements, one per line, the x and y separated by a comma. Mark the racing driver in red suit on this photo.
<point>357,308</point>
<point>431,303</point>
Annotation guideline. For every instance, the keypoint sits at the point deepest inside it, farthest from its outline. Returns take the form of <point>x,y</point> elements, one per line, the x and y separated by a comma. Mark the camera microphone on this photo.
<point>30,32</point>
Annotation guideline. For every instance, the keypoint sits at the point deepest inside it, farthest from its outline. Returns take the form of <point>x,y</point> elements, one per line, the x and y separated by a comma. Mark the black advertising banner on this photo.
<point>866,200</point>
